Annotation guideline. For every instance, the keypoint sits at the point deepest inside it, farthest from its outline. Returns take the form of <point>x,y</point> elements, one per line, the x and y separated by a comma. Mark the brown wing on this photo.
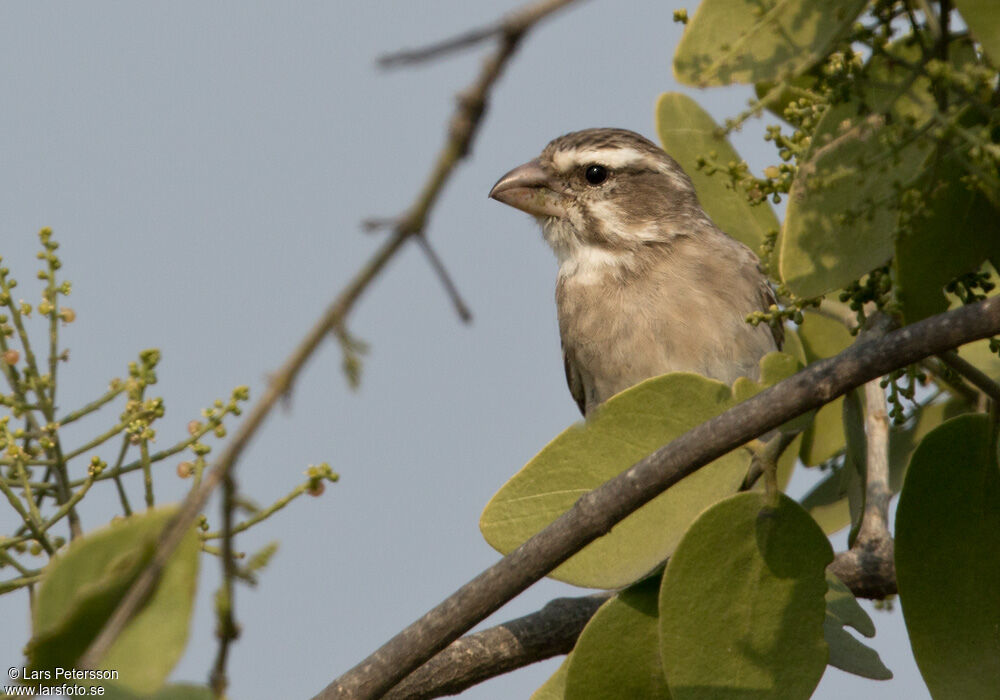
<point>574,380</point>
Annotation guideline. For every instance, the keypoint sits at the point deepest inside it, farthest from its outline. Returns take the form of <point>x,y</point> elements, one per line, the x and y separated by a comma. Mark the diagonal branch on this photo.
<point>462,131</point>
<point>549,632</point>
<point>973,374</point>
<point>599,510</point>
<point>516,22</point>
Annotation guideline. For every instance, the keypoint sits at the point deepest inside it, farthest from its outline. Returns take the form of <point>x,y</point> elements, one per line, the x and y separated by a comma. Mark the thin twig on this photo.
<point>951,381</point>
<point>969,371</point>
<point>226,629</point>
<point>516,22</point>
<point>595,513</point>
<point>461,308</point>
<point>767,458</point>
<point>425,53</point>
<point>461,133</point>
<point>464,124</point>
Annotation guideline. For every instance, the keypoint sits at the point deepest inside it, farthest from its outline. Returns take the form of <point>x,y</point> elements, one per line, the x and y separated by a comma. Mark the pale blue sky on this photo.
<point>206,166</point>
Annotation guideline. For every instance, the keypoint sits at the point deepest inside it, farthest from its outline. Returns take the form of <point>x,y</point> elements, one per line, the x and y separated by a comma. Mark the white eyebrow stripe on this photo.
<point>609,157</point>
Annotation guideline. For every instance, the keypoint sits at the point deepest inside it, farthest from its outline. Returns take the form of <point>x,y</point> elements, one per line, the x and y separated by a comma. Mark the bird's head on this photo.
<point>607,191</point>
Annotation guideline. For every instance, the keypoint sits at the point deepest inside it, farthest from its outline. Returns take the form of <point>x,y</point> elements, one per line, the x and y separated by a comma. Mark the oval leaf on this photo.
<point>844,204</point>
<point>954,216</point>
<point>748,41</point>
<point>822,336</point>
<point>948,559</point>
<point>742,603</point>
<point>688,133</point>
<point>827,501</point>
<point>618,652</point>
<point>628,427</point>
<point>83,585</point>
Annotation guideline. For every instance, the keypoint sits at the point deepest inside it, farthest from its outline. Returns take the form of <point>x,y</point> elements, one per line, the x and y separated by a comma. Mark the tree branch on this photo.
<point>973,374</point>
<point>554,629</point>
<point>598,511</point>
<point>549,632</point>
<point>516,22</point>
<point>462,131</point>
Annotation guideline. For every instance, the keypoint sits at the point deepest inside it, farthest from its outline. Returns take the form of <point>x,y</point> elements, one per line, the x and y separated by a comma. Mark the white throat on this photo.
<point>585,262</point>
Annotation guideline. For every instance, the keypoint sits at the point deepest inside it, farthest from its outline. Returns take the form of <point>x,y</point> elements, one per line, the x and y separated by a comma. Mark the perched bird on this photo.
<point>647,283</point>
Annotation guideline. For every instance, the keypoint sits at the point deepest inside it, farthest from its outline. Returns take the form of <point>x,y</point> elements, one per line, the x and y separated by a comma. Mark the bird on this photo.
<point>647,283</point>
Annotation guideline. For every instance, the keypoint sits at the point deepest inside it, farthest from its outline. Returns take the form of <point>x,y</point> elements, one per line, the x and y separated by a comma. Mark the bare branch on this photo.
<point>598,511</point>
<point>462,131</point>
<point>226,629</point>
<point>549,632</point>
<point>515,23</point>
<point>973,374</point>
<point>951,380</point>
<point>461,308</point>
<point>465,40</point>
<point>875,523</point>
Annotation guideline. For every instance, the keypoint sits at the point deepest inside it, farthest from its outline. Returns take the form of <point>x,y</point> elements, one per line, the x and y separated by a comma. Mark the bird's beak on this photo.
<point>528,188</point>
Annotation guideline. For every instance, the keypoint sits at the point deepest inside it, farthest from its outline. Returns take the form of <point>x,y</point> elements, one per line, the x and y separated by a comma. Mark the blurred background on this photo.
<point>206,167</point>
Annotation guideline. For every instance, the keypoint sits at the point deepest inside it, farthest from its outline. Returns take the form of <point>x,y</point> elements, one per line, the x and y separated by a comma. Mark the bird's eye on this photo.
<point>595,174</point>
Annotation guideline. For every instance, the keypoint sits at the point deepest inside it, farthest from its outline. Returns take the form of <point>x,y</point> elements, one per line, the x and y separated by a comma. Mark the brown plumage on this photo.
<point>647,284</point>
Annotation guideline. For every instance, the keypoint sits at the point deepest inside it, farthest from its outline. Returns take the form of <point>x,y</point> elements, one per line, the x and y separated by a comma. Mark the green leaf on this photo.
<point>844,607</point>
<point>844,203</point>
<point>793,346</point>
<point>555,687</point>
<point>84,584</point>
<point>749,41</point>
<point>904,439</point>
<point>618,652</point>
<point>843,207</point>
<point>821,337</point>
<point>827,502</point>
<point>850,655</point>
<point>774,367</point>
<point>984,22</point>
<point>688,133</point>
<point>846,652</point>
<point>743,602</point>
<point>628,427</point>
<point>948,559</point>
<point>856,459</point>
<point>957,218</point>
